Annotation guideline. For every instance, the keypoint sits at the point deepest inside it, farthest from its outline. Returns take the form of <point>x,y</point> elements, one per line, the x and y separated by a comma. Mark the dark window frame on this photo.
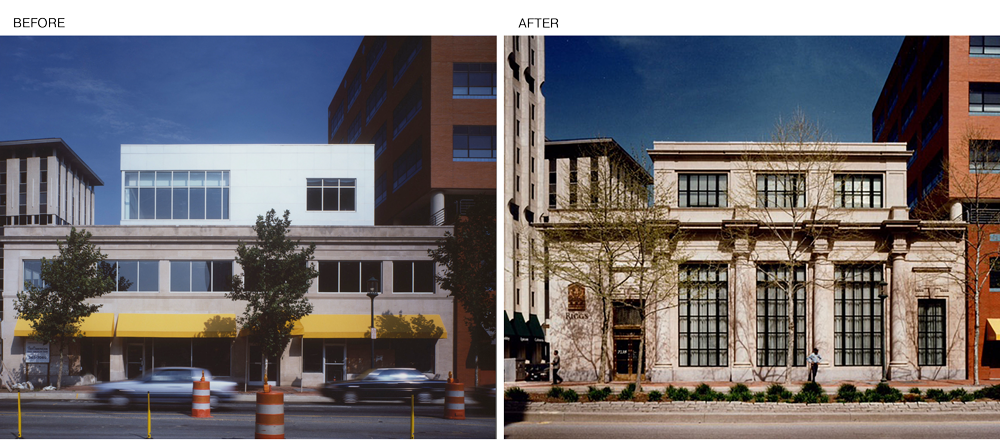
<point>858,315</point>
<point>709,188</point>
<point>772,314</point>
<point>711,317</point>
<point>848,195</point>
<point>932,332</point>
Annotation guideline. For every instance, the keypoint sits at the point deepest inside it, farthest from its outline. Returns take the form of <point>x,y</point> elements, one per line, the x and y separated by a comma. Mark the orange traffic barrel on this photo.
<point>454,400</point>
<point>270,414</point>
<point>201,398</point>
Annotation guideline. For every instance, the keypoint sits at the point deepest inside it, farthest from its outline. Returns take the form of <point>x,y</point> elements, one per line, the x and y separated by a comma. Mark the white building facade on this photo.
<point>876,292</point>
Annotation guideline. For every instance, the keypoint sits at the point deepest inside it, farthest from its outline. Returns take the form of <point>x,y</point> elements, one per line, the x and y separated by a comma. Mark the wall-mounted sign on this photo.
<point>36,352</point>
<point>994,237</point>
<point>576,316</point>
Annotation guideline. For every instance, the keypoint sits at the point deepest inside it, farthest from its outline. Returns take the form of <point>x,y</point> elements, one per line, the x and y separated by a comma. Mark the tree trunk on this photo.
<point>59,377</point>
<point>603,367</point>
<point>975,348</point>
<point>642,347</point>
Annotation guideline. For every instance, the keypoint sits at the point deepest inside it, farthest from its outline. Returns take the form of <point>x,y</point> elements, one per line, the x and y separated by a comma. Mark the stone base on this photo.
<point>902,373</point>
<point>742,374</point>
<point>661,374</point>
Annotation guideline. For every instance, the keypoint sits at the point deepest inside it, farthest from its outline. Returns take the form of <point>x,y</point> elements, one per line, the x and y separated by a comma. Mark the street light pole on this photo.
<point>882,295</point>
<point>372,293</point>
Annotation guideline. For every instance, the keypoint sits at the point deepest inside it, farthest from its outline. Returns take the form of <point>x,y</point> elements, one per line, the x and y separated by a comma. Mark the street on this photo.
<point>894,430</point>
<point>70,419</point>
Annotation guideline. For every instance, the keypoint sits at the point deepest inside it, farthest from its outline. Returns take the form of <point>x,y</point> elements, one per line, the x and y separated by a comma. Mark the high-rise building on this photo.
<point>942,98</point>
<point>428,104</point>
<point>525,197</point>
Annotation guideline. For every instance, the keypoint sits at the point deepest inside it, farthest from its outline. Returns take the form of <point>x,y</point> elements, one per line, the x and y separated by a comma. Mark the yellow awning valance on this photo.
<point>357,325</point>
<point>176,325</point>
<point>98,324</point>
<point>994,330</point>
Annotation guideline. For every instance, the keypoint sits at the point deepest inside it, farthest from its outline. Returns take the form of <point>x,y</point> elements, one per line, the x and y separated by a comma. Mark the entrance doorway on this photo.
<point>335,361</point>
<point>255,363</point>
<point>627,357</point>
<point>135,360</point>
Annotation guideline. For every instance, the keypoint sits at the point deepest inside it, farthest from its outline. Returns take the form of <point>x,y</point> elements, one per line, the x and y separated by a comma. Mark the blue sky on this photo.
<point>643,89</point>
<point>98,93</point>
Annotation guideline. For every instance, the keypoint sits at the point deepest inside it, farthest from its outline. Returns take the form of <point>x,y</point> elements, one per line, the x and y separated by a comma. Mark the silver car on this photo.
<point>164,385</point>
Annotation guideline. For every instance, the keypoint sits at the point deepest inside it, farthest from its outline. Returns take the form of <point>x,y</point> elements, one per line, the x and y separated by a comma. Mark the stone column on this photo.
<point>902,347</point>
<point>117,363</point>
<point>437,208</point>
<point>822,311</point>
<point>743,315</point>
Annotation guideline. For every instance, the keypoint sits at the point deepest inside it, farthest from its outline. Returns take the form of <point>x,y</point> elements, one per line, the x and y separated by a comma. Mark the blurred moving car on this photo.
<point>164,385</point>
<point>386,384</point>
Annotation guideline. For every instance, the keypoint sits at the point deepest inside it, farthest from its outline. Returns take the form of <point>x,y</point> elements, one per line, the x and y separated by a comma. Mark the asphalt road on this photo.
<point>72,419</point>
<point>894,430</point>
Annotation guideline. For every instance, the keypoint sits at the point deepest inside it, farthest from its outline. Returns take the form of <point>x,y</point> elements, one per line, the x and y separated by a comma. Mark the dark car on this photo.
<point>164,385</point>
<point>386,384</point>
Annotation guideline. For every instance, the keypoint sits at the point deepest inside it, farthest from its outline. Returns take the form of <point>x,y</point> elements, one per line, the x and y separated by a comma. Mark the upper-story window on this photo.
<point>552,183</point>
<point>474,143</point>
<point>984,156</point>
<point>376,98</point>
<point>407,108</point>
<point>347,276</point>
<point>781,190</point>
<point>984,97</point>
<point>336,119</point>
<point>201,276</point>
<point>406,54</point>
<point>176,195</point>
<point>858,191</point>
<point>474,80</point>
<point>138,275</point>
<point>985,45</point>
<point>354,131</point>
<point>702,190</point>
<point>379,141</point>
<point>354,91</point>
<point>412,276</point>
<point>330,194</point>
<point>375,51</point>
<point>33,274</point>
<point>407,165</point>
<point>381,191</point>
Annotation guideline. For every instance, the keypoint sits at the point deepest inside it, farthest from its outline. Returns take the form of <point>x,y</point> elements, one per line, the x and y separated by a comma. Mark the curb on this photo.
<point>733,417</point>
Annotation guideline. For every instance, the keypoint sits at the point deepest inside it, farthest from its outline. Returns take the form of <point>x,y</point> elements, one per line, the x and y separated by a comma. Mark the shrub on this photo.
<point>810,397</point>
<point>760,397</point>
<point>990,392</point>
<point>626,394</point>
<point>888,393</point>
<point>776,392</point>
<point>678,394</point>
<point>595,394</point>
<point>555,392</point>
<point>915,398</point>
<point>848,393</point>
<point>703,392</point>
<point>811,387</point>
<point>631,387</point>
<point>516,394</point>
<point>915,390</point>
<point>957,394</point>
<point>654,395</point>
<point>570,395</point>
<point>739,392</point>
<point>938,395</point>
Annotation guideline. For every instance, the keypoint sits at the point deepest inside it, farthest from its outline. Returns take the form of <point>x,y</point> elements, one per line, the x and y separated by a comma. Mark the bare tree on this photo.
<point>608,239</point>
<point>789,201</point>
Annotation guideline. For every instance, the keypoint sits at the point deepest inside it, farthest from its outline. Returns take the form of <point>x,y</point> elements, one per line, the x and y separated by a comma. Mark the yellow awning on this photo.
<point>994,329</point>
<point>357,325</point>
<point>176,325</point>
<point>99,324</point>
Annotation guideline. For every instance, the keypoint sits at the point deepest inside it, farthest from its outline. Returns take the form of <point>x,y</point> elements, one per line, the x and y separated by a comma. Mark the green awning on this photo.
<point>521,330</point>
<point>508,329</point>
<point>537,333</point>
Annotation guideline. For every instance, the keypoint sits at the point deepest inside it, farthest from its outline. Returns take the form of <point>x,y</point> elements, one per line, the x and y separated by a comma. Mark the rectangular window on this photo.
<point>379,141</point>
<point>330,194</point>
<point>474,80</point>
<point>572,182</point>
<point>33,274</point>
<point>140,276</point>
<point>201,276</point>
<point>858,191</point>
<point>984,45</point>
<point>984,156</point>
<point>348,276</point>
<point>703,315</point>
<point>857,315</point>
<point>381,191</point>
<point>552,183</point>
<point>984,97</point>
<point>781,190</point>
<point>312,355</point>
<point>353,91</point>
<point>774,282</point>
<point>176,195</point>
<point>930,332</point>
<point>407,108</point>
<point>336,119</point>
<point>474,143</point>
<point>375,52</point>
<point>702,190</point>
<point>375,100</point>
<point>23,187</point>
<point>994,273</point>
<point>407,165</point>
<point>406,54</point>
<point>43,186</point>
<point>3,189</point>
<point>413,276</point>
<point>354,131</point>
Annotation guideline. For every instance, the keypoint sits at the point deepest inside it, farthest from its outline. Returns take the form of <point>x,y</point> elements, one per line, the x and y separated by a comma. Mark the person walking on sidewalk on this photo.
<point>813,360</point>
<point>556,379</point>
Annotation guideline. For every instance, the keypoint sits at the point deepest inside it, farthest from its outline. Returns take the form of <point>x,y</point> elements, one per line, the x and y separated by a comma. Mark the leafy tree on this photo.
<point>469,260</point>
<point>57,308</point>
<point>275,279</point>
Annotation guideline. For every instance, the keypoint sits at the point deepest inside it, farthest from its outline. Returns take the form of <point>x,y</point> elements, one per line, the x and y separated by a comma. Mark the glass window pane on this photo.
<point>347,182</point>
<point>132,204</point>
<point>346,199</point>
<point>197,179</point>
<point>331,182</point>
<point>149,276</point>
<point>163,178</point>
<point>146,178</point>
<point>225,178</point>
<point>130,271</point>
<point>222,274</point>
<point>314,182</point>
<point>180,178</point>
<point>131,179</point>
<point>213,178</point>
<point>330,199</point>
<point>213,204</point>
<point>180,204</point>
<point>328,276</point>
<point>197,204</point>
<point>423,276</point>
<point>201,276</point>
<point>350,276</point>
<point>402,276</point>
<point>314,199</point>
<point>180,276</point>
<point>147,200</point>
<point>225,203</point>
<point>371,269</point>
<point>163,203</point>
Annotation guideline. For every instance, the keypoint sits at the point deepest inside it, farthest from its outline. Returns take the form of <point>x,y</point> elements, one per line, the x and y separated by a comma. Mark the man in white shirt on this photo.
<point>813,360</point>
